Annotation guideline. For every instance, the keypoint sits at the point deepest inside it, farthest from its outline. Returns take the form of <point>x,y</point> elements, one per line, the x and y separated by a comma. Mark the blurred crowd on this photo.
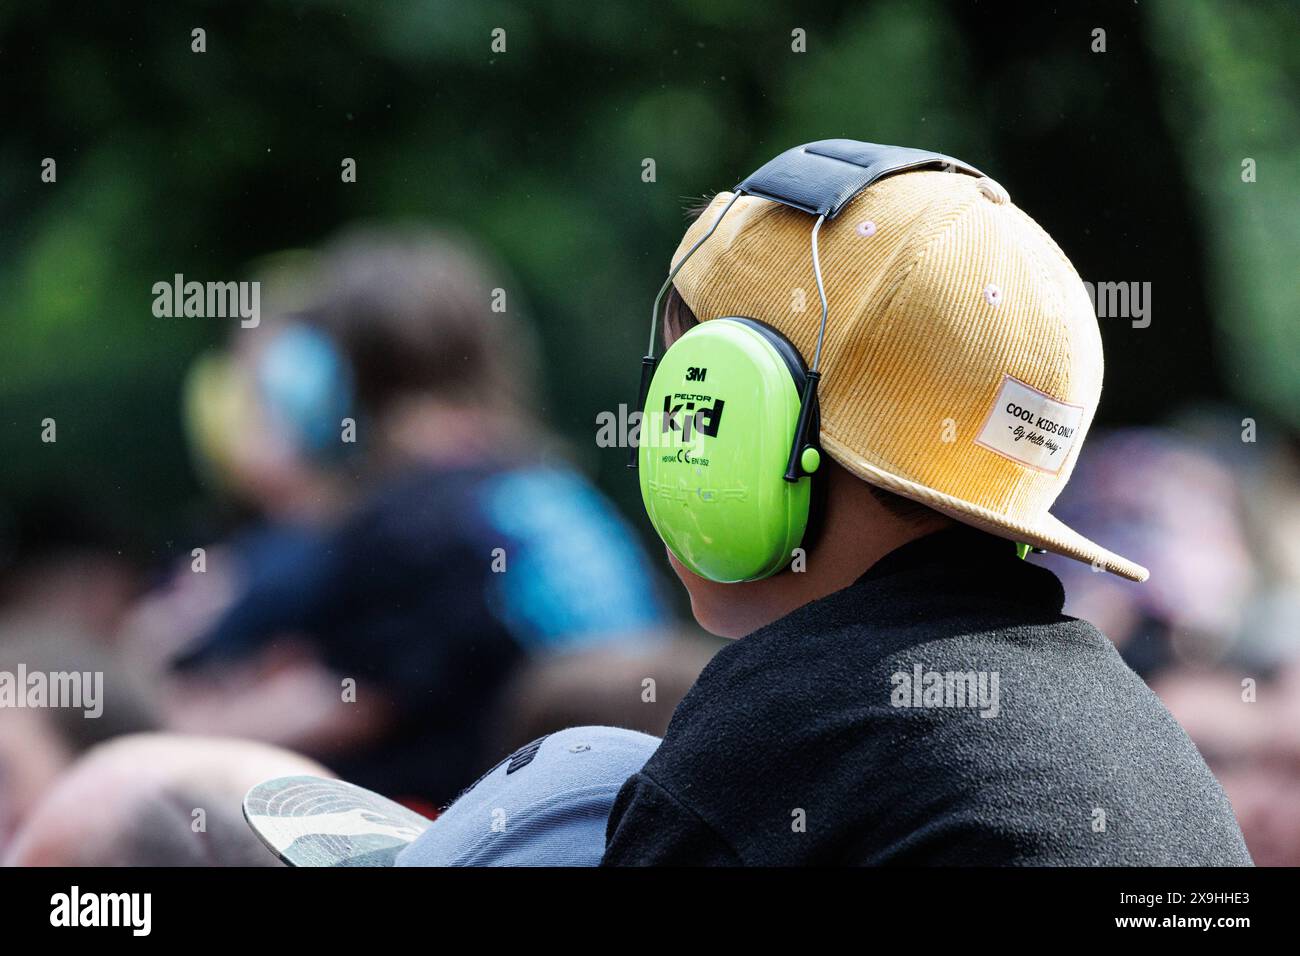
<point>413,580</point>
<point>410,581</point>
<point>1211,504</point>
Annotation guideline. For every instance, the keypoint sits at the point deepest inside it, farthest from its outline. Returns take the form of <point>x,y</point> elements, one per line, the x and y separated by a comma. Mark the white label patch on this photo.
<point>1030,427</point>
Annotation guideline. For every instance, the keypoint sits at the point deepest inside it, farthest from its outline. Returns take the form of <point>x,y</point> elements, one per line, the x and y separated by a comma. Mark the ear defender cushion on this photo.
<point>716,432</point>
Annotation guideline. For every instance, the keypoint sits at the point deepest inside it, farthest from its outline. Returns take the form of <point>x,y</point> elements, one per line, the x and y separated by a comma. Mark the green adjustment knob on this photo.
<point>810,460</point>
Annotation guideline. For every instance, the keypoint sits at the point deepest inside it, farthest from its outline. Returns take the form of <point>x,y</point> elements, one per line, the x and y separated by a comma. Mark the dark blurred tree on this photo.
<point>173,161</point>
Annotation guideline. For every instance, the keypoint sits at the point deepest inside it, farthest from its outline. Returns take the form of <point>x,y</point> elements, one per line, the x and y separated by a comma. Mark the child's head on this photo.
<point>852,522</point>
<point>440,365</point>
<point>960,370</point>
<point>413,309</point>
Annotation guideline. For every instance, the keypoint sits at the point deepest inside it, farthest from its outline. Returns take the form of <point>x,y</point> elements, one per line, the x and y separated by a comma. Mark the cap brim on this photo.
<point>312,821</point>
<point>1046,532</point>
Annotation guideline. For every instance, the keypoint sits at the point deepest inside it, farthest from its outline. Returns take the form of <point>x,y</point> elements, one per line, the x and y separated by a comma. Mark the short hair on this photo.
<point>417,310</point>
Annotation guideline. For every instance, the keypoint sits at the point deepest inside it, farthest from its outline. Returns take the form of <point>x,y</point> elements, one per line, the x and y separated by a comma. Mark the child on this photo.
<point>905,690</point>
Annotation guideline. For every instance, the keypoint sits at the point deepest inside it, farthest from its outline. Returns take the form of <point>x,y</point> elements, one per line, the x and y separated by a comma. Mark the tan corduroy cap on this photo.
<point>962,364</point>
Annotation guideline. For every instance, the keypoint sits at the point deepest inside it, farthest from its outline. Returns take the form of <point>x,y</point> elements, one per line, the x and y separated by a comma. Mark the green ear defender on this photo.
<point>732,507</point>
<point>720,415</point>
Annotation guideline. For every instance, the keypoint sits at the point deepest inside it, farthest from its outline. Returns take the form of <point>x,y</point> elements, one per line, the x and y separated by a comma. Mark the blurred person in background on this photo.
<point>1178,510</point>
<point>1248,730</point>
<point>636,688</point>
<point>385,652</point>
<point>262,417</point>
<point>37,744</point>
<point>155,800</point>
<point>1243,710</point>
<point>61,568</point>
<point>1214,631</point>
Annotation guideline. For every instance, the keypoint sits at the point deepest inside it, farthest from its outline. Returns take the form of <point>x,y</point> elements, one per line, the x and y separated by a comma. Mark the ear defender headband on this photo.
<point>730,424</point>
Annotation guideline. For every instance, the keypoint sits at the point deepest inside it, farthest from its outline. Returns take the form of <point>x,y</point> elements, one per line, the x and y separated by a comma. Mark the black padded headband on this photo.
<point>820,178</point>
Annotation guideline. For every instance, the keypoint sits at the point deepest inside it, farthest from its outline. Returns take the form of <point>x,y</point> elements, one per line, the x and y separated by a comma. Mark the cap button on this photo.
<point>992,191</point>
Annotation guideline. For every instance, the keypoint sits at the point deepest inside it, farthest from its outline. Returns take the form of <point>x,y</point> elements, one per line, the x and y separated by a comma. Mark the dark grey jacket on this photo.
<point>853,731</point>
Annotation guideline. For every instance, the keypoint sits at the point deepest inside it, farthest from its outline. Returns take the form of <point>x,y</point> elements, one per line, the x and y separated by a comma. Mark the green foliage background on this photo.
<point>171,161</point>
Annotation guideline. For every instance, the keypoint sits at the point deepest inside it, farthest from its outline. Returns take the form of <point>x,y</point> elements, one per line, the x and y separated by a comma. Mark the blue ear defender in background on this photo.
<point>305,384</point>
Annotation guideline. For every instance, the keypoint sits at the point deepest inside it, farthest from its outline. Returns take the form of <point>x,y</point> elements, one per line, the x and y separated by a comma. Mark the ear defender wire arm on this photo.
<point>649,361</point>
<point>794,469</point>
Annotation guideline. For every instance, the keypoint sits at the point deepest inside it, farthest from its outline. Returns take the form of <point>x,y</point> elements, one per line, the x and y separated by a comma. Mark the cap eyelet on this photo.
<point>992,190</point>
<point>992,294</point>
<point>866,229</point>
